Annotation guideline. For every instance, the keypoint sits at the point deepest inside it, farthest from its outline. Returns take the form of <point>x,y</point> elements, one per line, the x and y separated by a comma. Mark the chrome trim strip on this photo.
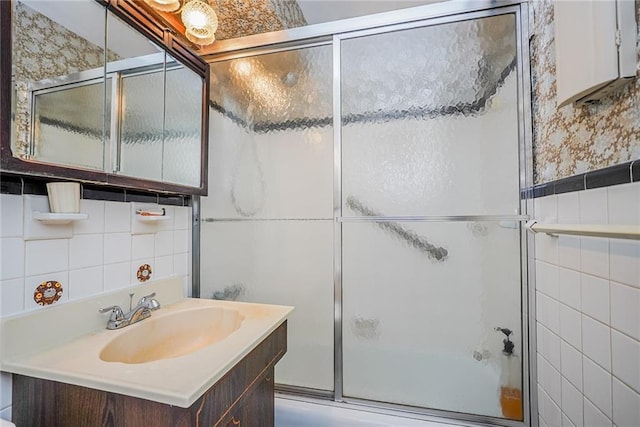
<point>337,226</point>
<point>80,77</point>
<point>210,219</point>
<point>164,112</point>
<point>529,370</point>
<point>427,22</point>
<point>412,412</point>
<point>114,131</point>
<point>259,50</point>
<point>140,62</point>
<point>442,218</point>
<point>329,29</point>
<point>294,390</point>
<point>436,414</point>
<point>195,247</point>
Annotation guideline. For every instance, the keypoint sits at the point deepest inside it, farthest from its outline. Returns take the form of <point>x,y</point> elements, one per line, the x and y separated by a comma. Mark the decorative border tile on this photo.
<point>623,173</point>
<point>11,184</point>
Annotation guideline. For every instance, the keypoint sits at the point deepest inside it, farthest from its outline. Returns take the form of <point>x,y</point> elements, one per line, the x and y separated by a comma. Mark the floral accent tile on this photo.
<point>48,292</point>
<point>144,273</point>
<point>573,140</point>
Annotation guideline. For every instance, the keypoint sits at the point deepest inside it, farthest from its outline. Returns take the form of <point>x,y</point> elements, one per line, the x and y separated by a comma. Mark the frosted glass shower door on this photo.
<point>430,150</point>
<point>267,230</point>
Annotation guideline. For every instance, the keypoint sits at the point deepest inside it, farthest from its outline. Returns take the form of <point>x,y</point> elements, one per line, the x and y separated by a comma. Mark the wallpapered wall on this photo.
<point>573,140</point>
<point>243,18</point>
<point>44,49</point>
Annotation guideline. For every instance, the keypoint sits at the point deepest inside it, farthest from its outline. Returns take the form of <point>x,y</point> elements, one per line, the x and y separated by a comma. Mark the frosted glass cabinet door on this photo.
<point>423,137</point>
<point>70,126</point>
<point>142,127</point>
<point>420,304</point>
<point>182,126</point>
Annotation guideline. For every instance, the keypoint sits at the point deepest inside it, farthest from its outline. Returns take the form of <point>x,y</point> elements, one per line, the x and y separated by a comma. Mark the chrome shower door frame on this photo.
<point>334,33</point>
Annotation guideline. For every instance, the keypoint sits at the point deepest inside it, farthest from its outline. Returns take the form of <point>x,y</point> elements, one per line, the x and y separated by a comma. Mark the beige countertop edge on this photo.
<point>157,388</point>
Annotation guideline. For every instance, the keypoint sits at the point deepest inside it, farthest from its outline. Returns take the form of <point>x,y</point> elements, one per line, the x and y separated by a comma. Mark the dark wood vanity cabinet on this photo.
<point>243,397</point>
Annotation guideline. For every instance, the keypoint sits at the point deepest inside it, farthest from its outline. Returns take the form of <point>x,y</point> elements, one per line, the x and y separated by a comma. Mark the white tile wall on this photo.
<point>625,353</point>
<point>164,243</point>
<point>12,253</point>
<point>572,403</point>
<point>598,309</point>
<point>46,256</point>
<point>626,405</point>
<point>117,247</point>
<point>95,223</point>
<point>117,217</point>
<point>86,250</point>
<point>142,246</point>
<point>593,417</point>
<point>88,257</point>
<point>117,275</point>
<point>10,215</point>
<point>85,282</point>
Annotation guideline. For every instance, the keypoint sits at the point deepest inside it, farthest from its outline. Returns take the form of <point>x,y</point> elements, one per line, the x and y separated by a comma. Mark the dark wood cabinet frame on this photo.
<point>133,13</point>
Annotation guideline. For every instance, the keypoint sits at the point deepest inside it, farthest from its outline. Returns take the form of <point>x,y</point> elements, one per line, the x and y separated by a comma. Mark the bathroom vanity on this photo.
<point>244,396</point>
<point>194,362</point>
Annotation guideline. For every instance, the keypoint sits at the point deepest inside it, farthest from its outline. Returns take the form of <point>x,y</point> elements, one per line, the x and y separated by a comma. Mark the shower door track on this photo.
<point>434,218</point>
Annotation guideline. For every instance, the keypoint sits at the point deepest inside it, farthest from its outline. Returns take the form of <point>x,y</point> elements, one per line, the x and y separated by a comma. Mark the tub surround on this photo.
<point>69,352</point>
<point>588,311</point>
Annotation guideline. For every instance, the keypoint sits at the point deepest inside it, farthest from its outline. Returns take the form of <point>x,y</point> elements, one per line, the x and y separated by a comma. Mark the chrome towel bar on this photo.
<point>594,230</point>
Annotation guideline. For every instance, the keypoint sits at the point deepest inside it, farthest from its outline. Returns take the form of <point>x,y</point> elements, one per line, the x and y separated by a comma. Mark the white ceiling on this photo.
<point>317,11</point>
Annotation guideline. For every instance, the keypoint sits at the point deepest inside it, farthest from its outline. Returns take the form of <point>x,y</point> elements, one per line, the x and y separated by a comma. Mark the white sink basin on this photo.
<point>173,335</point>
<point>172,357</point>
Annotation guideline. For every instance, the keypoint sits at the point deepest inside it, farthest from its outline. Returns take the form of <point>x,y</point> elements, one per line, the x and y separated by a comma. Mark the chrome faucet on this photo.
<point>142,310</point>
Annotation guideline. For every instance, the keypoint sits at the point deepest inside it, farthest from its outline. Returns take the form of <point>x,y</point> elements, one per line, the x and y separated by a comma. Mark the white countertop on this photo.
<point>178,381</point>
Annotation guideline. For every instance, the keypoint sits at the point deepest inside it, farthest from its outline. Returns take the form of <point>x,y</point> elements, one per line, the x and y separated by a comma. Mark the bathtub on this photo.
<point>292,412</point>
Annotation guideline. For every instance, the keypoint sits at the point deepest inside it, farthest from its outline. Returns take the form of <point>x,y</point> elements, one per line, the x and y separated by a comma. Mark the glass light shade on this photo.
<point>200,36</point>
<point>164,5</point>
<point>197,14</point>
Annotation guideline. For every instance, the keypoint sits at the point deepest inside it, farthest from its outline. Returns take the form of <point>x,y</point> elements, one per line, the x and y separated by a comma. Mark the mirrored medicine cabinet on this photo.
<point>99,92</point>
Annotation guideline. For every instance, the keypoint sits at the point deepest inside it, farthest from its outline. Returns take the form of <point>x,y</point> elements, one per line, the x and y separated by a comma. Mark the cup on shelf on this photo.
<point>64,197</point>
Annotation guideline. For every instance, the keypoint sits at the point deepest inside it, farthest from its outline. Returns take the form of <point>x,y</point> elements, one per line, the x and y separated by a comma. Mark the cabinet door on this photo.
<point>258,409</point>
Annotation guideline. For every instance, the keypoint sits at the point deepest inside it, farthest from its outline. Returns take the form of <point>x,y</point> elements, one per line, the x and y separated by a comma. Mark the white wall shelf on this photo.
<point>152,218</point>
<point>50,218</point>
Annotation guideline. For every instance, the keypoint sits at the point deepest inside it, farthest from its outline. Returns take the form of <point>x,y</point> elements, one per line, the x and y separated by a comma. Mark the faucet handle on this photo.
<point>146,297</point>
<point>116,312</point>
<point>149,301</point>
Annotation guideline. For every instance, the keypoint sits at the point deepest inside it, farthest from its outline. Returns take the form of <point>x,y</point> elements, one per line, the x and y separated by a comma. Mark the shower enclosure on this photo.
<point>369,173</point>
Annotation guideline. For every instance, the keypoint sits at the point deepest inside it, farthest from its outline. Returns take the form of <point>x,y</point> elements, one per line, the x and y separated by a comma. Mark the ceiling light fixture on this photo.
<point>164,5</point>
<point>199,18</point>
<point>200,22</point>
